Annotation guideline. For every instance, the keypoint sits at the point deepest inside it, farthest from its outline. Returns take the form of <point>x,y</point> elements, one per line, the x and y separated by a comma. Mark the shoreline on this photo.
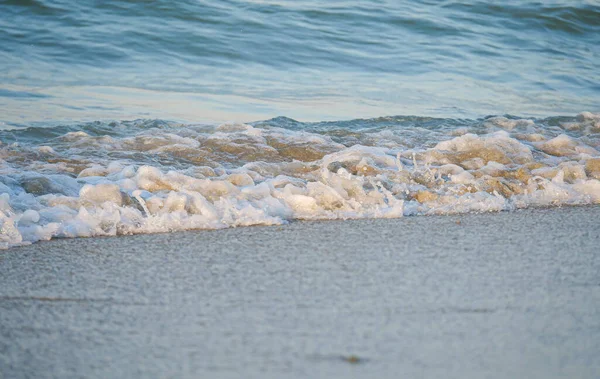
<point>454,216</point>
<point>497,295</point>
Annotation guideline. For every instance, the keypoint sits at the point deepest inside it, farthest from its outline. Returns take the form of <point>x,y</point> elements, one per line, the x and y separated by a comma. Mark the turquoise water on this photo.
<point>209,60</point>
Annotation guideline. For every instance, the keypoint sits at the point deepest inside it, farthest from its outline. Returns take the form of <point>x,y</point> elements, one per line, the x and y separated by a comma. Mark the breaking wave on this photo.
<point>149,176</point>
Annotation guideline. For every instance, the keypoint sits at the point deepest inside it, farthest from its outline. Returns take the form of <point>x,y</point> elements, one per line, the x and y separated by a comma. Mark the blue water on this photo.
<point>127,117</point>
<point>238,60</point>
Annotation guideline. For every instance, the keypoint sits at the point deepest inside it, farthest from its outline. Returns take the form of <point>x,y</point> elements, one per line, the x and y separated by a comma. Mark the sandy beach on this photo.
<point>497,295</point>
<point>299,189</point>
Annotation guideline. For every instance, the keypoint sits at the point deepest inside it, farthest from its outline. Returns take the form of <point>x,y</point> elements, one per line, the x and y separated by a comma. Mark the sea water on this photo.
<point>125,117</point>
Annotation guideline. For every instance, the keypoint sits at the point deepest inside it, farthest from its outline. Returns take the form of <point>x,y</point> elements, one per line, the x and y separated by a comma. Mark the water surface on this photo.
<point>202,60</point>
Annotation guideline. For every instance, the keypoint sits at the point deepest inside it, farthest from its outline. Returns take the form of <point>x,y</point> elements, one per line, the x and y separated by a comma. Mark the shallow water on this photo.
<point>504,295</point>
<point>102,179</point>
<point>111,113</point>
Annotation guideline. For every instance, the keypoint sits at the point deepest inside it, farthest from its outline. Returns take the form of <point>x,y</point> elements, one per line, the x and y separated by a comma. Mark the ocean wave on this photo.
<point>148,176</point>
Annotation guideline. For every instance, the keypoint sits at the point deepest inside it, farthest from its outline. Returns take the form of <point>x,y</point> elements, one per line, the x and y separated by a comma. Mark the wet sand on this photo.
<point>498,295</point>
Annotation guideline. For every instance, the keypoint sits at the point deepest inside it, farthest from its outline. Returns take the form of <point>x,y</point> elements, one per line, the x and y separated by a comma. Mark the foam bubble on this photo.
<point>162,179</point>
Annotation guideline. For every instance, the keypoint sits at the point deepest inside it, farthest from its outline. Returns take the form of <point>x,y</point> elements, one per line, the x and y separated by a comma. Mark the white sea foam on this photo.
<point>197,177</point>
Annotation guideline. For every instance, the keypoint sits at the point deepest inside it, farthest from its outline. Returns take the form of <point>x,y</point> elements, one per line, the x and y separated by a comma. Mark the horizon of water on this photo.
<point>139,117</point>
